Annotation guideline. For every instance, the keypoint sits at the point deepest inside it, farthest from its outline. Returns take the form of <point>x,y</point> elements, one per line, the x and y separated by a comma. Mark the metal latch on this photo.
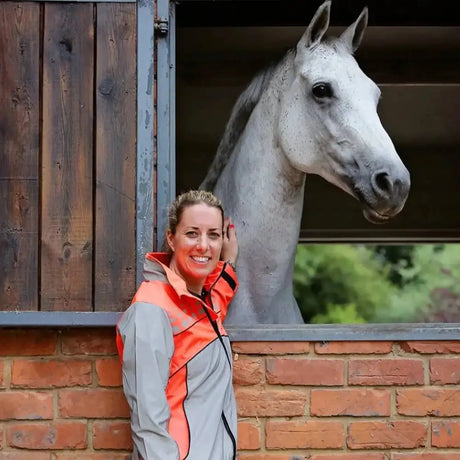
<point>161,25</point>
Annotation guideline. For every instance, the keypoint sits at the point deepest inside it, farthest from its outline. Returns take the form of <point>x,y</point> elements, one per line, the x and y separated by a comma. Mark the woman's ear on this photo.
<point>170,239</point>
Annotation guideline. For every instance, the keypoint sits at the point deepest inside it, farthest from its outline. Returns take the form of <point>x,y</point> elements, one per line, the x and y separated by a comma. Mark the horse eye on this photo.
<point>322,90</point>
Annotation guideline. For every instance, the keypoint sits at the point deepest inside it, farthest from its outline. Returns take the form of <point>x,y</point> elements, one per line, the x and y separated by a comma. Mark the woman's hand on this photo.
<point>229,251</point>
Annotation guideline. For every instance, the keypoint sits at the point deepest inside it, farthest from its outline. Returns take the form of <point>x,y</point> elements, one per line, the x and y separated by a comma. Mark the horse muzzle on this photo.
<point>384,196</point>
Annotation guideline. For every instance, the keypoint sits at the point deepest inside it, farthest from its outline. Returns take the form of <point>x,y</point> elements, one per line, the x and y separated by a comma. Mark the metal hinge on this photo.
<point>161,25</point>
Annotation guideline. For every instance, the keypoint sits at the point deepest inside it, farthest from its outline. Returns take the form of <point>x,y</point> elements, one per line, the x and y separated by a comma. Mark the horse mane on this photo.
<point>242,110</point>
<point>239,116</point>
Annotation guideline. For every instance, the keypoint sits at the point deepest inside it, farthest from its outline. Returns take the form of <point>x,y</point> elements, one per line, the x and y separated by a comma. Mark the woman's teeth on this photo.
<point>200,259</point>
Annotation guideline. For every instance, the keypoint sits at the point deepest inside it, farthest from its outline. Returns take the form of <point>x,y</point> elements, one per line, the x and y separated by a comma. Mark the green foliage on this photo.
<point>397,256</point>
<point>344,314</point>
<point>430,287</point>
<point>333,278</point>
<point>355,284</point>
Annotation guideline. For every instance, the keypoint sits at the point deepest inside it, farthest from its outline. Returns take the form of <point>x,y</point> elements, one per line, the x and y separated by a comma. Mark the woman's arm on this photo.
<point>147,350</point>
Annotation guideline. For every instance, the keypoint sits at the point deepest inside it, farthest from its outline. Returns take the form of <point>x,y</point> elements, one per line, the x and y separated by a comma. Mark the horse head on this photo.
<point>328,123</point>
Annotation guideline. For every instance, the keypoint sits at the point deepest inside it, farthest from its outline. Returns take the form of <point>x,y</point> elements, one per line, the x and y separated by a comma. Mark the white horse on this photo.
<point>313,112</point>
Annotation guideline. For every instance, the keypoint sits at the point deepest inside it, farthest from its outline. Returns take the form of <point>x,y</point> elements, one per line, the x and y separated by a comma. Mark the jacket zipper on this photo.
<point>219,335</point>
<point>229,432</point>
<point>224,419</point>
<point>216,330</point>
<point>214,322</point>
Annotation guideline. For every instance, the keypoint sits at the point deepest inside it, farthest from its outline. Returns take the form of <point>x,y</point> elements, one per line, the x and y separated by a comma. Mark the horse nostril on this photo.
<point>382,183</point>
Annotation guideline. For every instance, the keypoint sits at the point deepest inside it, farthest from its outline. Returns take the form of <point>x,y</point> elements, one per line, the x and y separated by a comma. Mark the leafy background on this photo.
<point>375,284</point>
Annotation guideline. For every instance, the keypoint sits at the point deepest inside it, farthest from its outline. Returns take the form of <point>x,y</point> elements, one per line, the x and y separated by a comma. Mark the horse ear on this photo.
<point>354,34</point>
<point>317,28</point>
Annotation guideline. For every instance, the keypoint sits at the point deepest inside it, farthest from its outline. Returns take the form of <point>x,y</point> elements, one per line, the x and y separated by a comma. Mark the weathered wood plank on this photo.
<point>19,155</point>
<point>114,283</point>
<point>67,221</point>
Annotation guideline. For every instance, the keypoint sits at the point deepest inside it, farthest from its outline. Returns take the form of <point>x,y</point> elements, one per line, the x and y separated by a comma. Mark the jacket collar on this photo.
<point>156,268</point>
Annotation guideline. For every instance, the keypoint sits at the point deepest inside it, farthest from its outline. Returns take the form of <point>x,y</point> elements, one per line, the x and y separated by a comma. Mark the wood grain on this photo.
<point>114,282</point>
<point>67,166</point>
<point>19,155</point>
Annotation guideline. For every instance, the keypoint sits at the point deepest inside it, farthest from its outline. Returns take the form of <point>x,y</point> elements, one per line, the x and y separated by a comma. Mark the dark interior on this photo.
<point>410,49</point>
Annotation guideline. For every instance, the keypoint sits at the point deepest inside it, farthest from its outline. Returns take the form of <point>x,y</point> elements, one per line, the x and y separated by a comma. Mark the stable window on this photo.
<point>219,46</point>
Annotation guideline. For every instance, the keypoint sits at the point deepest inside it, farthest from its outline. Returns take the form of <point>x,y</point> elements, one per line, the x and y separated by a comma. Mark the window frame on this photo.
<point>255,333</point>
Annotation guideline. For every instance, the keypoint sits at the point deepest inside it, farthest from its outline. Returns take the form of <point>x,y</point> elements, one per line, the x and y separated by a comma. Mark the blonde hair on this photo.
<point>184,201</point>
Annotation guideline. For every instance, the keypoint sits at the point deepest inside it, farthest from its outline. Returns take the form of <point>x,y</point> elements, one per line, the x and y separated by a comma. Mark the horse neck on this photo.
<point>258,157</point>
<point>259,185</point>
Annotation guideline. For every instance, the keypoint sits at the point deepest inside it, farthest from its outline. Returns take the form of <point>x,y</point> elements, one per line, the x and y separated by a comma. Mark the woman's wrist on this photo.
<point>232,263</point>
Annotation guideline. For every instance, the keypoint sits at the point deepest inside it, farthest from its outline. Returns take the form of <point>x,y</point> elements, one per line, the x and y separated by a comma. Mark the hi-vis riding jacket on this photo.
<point>177,366</point>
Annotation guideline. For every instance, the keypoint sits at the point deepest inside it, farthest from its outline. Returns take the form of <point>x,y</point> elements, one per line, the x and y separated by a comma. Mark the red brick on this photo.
<point>431,347</point>
<point>89,456</point>
<point>28,342</point>
<point>440,402</point>
<point>47,374</point>
<point>354,402</point>
<point>112,435</point>
<point>25,405</point>
<point>445,371</point>
<point>304,435</point>
<point>24,455</point>
<point>248,436</point>
<point>354,456</point>
<point>270,403</point>
<point>291,371</point>
<point>271,348</point>
<point>344,348</point>
<point>94,403</point>
<point>109,372</point>
<point>93,341</point>
<point>426,456</point>
<point>386,435</point>
<point>248,371</point>
<point>445,433</point>
<point>57,435</point>
<point>385,372</point>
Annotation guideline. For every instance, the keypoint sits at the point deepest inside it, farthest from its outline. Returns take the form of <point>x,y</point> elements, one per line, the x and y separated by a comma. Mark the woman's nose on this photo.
<point>203,242</point>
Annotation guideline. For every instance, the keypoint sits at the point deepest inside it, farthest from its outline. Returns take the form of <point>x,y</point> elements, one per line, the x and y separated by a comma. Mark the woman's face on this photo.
<point>196,244</point>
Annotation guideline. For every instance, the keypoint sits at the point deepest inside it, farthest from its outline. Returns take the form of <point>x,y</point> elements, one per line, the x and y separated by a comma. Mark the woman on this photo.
<point>176,355</point>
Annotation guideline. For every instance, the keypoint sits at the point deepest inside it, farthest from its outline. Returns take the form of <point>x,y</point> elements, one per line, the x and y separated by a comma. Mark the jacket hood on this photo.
<point>155,266</point>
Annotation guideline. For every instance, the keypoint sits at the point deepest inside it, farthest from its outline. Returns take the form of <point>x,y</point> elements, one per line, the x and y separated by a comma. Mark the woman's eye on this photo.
<point>322,90</point>
<point>192,234</point>
<point>214,236</point>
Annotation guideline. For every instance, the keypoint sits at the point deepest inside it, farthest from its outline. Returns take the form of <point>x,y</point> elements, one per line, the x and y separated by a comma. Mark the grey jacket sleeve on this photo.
<point>147,350</point>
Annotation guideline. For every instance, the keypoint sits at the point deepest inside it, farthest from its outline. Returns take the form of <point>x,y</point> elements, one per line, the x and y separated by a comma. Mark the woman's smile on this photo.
<point>201,259</point>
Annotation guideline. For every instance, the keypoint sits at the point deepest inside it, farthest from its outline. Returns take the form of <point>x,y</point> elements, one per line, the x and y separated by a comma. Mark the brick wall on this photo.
<point>61,399</point>
<point>348,400</point>
<point>61,396</point>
